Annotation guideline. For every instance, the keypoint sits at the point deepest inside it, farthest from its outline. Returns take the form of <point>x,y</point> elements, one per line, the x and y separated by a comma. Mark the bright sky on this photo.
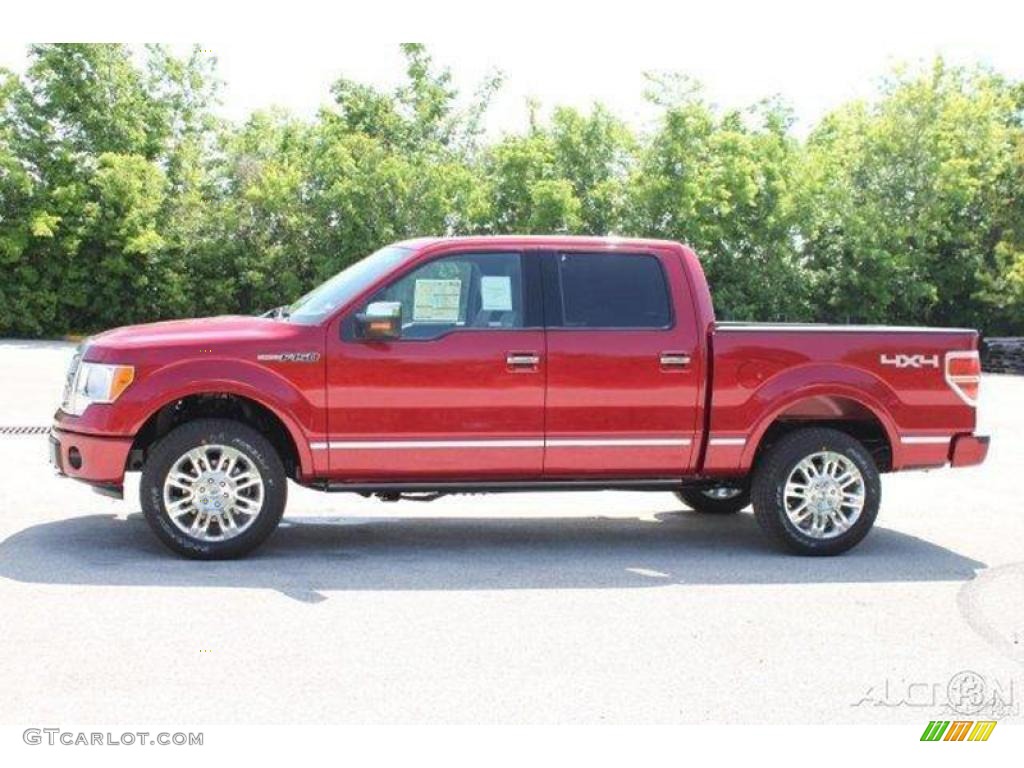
<point>816,55</point>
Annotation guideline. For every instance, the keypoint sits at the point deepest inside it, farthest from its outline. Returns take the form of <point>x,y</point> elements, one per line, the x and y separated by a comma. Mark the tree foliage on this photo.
<point>124,199</point>
<point>911,201</point>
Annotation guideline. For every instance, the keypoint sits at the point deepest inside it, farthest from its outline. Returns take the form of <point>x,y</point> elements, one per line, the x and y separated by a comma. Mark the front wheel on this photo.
<point>817,491</point>
<point>213,489</point>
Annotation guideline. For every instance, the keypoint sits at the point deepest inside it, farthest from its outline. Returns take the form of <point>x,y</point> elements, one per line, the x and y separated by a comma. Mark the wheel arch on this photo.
<point>848,409</point>
<point>226,402</point>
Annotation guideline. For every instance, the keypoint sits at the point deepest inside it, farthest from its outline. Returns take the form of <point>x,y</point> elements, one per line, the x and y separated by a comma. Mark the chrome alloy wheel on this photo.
<point>824,495</point>
<point>213,492</point>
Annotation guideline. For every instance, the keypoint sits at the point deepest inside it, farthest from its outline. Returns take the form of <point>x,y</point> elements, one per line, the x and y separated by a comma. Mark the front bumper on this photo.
<point>968,450</point>
<point>99,461</point>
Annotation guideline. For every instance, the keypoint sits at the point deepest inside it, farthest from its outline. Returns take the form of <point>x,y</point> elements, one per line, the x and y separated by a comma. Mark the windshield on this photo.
<point>345,286</point>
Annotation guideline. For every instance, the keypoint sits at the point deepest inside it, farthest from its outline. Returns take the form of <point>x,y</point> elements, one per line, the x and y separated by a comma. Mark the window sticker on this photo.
<point>496,293</point>
<point>436,301</point>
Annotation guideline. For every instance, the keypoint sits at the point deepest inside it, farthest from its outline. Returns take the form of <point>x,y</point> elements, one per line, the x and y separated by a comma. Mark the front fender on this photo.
<point>295,401</point>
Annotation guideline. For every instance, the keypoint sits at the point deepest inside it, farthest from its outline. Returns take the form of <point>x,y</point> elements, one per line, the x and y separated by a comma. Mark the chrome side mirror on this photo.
<point>381,321</point>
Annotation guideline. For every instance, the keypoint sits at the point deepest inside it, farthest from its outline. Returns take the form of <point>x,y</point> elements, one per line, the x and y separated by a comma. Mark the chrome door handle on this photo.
<point>674,359</point>
<point>522,360</point>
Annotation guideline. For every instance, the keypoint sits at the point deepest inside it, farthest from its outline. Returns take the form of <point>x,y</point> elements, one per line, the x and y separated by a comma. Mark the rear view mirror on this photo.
<point>382,320</point>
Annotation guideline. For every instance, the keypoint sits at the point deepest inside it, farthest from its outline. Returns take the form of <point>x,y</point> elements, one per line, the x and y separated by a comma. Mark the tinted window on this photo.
<point>473,290</point>
<point>610,290</point>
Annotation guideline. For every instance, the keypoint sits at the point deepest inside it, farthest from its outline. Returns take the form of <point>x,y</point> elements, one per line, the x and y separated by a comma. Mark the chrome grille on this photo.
<point>70,378</point>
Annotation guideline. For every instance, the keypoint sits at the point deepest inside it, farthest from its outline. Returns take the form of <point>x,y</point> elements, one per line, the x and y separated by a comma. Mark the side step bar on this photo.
<point>509,486</point>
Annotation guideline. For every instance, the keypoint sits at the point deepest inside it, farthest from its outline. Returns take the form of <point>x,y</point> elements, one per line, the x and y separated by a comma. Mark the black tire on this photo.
<point>773,471</point>
<point>705,501</point>
<point>254,448</point>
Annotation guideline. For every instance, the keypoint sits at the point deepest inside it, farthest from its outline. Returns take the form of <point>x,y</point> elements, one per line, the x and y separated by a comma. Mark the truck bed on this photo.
<point>892,379</point>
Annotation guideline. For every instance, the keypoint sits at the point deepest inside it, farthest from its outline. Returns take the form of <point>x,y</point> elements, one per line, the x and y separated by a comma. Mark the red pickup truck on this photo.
<point>486,364</point>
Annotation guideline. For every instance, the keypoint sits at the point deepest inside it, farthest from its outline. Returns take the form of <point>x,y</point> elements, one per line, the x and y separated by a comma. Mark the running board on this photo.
<point>510,486</point>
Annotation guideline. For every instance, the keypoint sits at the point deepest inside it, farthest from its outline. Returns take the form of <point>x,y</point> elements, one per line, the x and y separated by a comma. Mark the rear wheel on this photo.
<point>817,491</point>
<point>722,499</point>
<point>212,489</point>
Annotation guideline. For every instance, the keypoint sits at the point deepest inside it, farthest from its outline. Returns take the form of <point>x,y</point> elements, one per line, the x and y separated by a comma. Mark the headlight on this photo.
<point>95,383</point>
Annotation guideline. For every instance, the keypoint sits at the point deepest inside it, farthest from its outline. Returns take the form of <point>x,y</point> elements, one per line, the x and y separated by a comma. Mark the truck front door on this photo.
<point>460,394</point>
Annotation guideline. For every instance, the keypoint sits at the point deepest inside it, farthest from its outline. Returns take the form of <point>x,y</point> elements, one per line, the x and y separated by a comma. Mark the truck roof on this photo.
<point>554,241</point>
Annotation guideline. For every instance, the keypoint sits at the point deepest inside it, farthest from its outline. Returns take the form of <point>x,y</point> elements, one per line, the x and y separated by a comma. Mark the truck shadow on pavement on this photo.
<point>308,556</point>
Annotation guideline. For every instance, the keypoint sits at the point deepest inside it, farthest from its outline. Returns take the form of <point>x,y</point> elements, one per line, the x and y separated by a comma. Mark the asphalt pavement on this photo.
<point>532,608</point>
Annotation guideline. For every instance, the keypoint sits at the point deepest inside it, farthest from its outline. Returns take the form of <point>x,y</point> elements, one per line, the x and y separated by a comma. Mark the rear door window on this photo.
<point>613,290</point>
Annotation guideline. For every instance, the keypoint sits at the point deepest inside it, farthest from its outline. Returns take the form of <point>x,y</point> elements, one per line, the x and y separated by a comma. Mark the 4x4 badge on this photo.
<point>911,361</point>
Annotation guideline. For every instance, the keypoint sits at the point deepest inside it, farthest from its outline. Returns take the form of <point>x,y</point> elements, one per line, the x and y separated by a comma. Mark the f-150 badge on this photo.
<point>911,361</point>
<point>290,357</point>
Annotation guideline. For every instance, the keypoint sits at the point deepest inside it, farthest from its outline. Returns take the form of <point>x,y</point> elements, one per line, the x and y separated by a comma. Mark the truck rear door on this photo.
<point>624,364</point>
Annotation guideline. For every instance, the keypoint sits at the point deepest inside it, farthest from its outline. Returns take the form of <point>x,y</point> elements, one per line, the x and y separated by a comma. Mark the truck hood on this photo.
<point>226,329</point>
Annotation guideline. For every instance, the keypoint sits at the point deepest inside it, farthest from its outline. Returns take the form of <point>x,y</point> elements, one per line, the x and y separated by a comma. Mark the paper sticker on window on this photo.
<point>436,301</point>
<point>496,293</point>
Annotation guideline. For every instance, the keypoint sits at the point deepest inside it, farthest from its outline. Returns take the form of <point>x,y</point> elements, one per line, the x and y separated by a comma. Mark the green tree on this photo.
<point>96,141</point>
<point>569,175</point>
<point>123,199</point>
<point>906,199</point>
<point>727,184</point>
<point>256,241</point>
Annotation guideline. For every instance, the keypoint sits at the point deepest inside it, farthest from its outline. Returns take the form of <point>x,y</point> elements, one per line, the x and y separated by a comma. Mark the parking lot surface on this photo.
<point>584,607</point>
